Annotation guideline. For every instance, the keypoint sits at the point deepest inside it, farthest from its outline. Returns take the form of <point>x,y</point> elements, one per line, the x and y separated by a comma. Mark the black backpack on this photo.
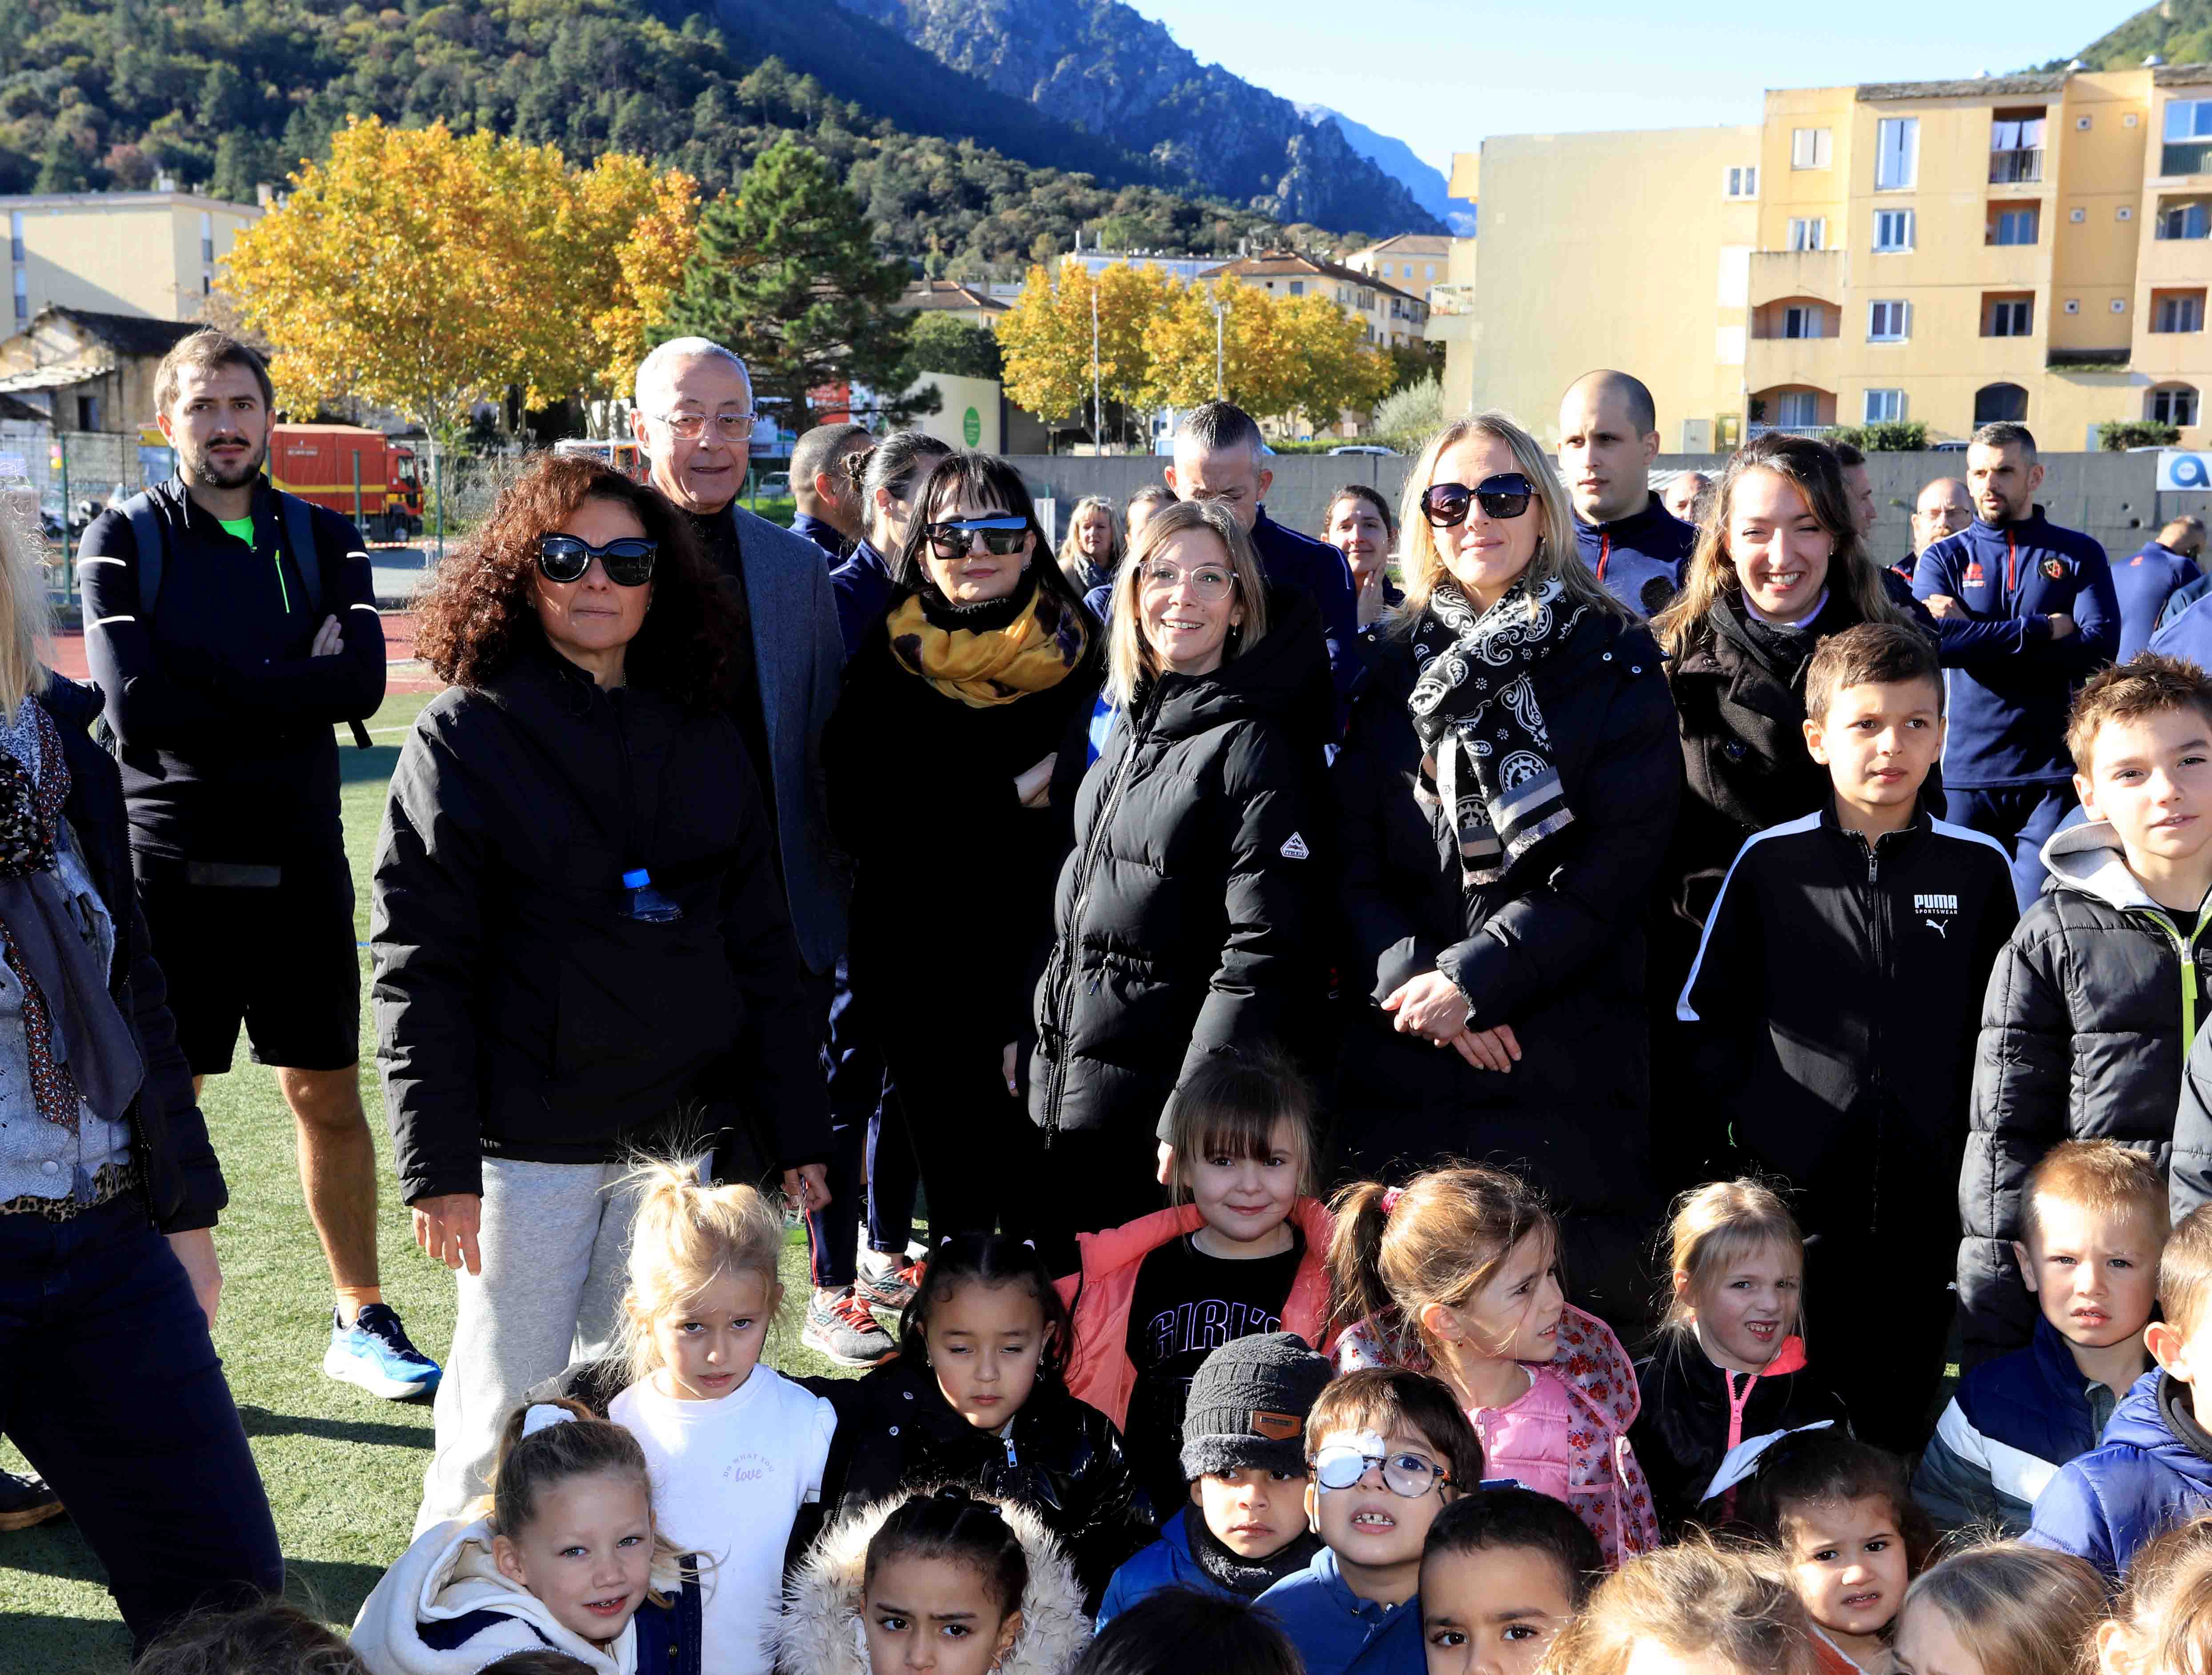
<point>151,538</point>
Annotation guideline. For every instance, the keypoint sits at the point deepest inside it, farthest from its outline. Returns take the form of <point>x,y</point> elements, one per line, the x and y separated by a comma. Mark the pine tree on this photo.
<point>787,276</point>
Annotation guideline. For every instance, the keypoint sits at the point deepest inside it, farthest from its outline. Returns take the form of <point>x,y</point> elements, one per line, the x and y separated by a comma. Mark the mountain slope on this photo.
<point>1109,70</point>
<point>1423,182</point>
<point>2179,31</point>
<point>115,93</point>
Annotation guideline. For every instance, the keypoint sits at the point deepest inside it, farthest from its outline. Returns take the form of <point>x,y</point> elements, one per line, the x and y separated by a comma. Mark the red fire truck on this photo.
<point>358,472</point>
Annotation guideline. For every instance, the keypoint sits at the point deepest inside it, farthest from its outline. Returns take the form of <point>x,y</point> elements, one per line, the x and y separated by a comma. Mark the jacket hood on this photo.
<point>2137,1423</point>
<point>448,1573</point>
<point>820,1633</point>
<point>1127,1246</point>
<point>2089,857</point>
<point>1284,676</point>
<point>1591,1363</point>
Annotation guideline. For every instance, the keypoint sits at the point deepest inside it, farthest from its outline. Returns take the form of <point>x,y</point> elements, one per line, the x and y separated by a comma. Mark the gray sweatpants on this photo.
<point>553,1245</point>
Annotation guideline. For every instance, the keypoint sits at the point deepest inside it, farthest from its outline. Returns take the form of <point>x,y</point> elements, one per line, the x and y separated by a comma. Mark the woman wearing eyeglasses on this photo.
<point>581,938</point>
<point>1506,791</point>
<point>940,762</point>
<point>1186,922</point>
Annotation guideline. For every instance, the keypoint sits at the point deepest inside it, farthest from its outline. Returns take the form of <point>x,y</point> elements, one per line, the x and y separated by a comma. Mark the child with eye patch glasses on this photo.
<point>1388,1450</point>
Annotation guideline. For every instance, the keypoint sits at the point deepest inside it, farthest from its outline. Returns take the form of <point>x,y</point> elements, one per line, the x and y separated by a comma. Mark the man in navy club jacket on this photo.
<point>1217,458</point>
<point>1608,437</point>
<point>2026,610</point>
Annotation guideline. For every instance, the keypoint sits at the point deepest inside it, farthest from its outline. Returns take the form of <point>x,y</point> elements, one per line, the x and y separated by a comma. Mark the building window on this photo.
<point>1798,409</point>
<point>23,296</point>
<point>2185,220</point>
<point>1893,229</point>
<point>207,237</point>
<point>2007,316</point>
<point>1808,147</point>
<point>87,412</point>
<point>1802,319</point>
<point>207,282</point>
<point>1897,153</point>
<point>1884,407</point>
<point>2177,311</point>
<point>2171,404</point>
<point>2188,137</point>
<point>1885,322</point>
<point>2016,147</point>
<point>15,235</point>
<point>1743,182</point>
<point>2012,226</point>
<point>1995,401</point>
<point>1809,232</point>
<point>1428,269</point>
<point>1298,288</point>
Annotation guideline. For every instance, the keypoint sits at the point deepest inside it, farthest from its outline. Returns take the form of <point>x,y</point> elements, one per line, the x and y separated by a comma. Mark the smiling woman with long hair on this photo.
<point>580,936</point>
<point>1505,790</point>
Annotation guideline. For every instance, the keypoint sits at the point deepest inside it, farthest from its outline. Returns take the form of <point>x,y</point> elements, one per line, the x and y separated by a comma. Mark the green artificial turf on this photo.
<point>343,1469</point>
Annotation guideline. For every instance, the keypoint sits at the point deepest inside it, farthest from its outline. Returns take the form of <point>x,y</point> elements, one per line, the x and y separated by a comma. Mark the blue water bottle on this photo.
<point>646,903</point>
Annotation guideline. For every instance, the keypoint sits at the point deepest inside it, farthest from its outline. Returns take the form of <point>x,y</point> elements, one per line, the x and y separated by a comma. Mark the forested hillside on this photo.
<point>100,93</point>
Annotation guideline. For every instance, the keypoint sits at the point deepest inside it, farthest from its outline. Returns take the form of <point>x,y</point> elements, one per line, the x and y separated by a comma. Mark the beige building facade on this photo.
<point>1390,315</point>
<point>156,254</point>
<point>2033,247</point>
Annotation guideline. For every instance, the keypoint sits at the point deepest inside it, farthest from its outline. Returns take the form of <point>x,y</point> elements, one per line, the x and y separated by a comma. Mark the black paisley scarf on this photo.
<point>1487,766</point>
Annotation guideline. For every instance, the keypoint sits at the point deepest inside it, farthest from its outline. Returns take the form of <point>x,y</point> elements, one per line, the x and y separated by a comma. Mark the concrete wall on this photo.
<point>2112,495</point>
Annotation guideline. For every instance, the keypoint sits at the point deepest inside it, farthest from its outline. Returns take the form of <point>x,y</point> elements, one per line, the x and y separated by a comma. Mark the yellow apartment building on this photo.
<point>152,254</point>
<point>1390,316</point>
<point>2033,247</point>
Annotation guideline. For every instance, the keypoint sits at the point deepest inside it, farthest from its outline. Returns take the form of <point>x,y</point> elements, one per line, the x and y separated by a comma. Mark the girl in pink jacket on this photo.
<point>1457,1276</point>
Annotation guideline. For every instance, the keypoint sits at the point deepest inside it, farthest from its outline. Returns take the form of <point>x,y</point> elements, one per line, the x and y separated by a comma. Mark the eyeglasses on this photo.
<point>728,427</point>
<point>628,562</point>
<point>1409,1476</point>
<point>1506,495</point>
<point>1208,581</point>
<point>1001,535</point>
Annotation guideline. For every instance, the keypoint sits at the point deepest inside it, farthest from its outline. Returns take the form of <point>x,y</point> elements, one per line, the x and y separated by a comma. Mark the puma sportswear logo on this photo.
<point>1937,927</point>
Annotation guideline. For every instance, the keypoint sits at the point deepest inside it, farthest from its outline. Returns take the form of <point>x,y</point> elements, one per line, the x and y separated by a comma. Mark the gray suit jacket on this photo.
<point>801,657</point>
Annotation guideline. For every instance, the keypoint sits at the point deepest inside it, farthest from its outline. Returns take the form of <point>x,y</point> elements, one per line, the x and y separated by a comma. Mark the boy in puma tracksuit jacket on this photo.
<point>1838,985</point>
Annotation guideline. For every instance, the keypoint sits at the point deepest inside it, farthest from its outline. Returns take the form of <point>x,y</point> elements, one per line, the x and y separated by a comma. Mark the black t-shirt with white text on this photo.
<point>1187,1304</point>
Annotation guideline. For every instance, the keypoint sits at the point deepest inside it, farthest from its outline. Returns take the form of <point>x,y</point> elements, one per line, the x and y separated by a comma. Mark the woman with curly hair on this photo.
<point>581,942</point>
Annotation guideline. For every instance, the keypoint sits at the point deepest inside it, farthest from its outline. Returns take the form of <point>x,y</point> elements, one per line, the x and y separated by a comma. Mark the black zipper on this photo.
<point>1064,953</point>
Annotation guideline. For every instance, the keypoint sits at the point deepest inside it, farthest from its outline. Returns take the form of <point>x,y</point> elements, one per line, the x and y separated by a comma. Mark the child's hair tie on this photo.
<point>544,1415</point>
<point>1390,1197</point>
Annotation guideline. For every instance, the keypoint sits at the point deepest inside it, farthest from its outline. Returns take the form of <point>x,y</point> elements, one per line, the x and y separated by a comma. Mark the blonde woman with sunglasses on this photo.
<point>1504,793</point>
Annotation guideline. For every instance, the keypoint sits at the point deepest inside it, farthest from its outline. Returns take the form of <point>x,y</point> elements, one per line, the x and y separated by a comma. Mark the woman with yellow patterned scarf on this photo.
<point>940,760</point>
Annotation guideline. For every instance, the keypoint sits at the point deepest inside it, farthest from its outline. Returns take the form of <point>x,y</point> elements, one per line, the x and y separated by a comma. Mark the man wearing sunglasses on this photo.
<point>1217,456</point>
<point>1608,437</point>
<point>694,418</point>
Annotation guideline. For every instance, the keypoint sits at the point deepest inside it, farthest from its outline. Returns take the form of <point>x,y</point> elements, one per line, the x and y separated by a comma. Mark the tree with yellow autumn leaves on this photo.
<point>426,272</point>
<point>1278,357</point>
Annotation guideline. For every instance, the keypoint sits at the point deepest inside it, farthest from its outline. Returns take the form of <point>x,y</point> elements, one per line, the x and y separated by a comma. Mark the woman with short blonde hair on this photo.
<point>1506,787</point>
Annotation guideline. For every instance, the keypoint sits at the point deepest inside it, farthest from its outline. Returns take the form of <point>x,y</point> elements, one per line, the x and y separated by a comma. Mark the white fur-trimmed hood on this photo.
<point>820,1632</point>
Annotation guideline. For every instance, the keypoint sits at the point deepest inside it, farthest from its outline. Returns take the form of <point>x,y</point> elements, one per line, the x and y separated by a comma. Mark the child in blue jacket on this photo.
<point>1243,1453</point>
<point>2093,1224</point>
<point>2154,1467</point>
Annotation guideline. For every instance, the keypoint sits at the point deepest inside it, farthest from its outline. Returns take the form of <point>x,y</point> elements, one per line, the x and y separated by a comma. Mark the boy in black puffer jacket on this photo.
<point>2095,1000</point>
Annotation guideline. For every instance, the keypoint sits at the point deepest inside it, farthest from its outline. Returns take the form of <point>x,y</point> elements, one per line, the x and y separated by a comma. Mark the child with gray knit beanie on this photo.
<point>1244,1456</point>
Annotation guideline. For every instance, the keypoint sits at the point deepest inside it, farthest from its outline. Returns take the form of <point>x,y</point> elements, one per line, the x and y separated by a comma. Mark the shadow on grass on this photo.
<point>331,1588</point>
<point>372,766</point>
<point>38,1640</point>
<point>57,1549</point>
<point>265,1421</point>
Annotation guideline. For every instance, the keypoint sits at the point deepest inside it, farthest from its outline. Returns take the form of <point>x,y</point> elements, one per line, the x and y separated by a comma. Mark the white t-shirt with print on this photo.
<point>728,1478</point>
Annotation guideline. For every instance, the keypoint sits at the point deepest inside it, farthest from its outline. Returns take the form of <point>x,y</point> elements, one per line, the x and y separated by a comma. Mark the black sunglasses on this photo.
<point>628,562</point>
<point>1001,535</point>
<point>1506,495</point>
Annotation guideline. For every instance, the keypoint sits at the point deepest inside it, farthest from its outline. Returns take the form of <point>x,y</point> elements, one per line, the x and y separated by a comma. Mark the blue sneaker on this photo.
<point>374,1353</point>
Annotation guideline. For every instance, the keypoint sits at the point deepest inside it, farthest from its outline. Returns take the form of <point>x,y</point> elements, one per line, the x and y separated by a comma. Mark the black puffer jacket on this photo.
<point>896,1434</point>
<point>519,1012</point>
<point>1185,918</point>
<point>911,771</point>
<point>1555,949</point>
<point>1681,1432</point>
<point>2084,1031</point>
<point>183,1184</point>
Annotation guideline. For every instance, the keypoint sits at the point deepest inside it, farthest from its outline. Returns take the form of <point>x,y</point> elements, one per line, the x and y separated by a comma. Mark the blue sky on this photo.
<point>1441,74</point>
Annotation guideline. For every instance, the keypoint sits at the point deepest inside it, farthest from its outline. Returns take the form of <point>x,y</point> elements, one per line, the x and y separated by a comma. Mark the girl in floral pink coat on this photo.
<point>1457,1276</point>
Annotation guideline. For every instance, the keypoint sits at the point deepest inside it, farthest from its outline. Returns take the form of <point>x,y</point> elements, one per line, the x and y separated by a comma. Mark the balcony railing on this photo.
<point>1788,430</point>
<point>2012,168</point>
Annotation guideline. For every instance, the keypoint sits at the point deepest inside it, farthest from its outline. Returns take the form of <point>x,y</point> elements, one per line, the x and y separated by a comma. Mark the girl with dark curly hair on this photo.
<point>581,941</point>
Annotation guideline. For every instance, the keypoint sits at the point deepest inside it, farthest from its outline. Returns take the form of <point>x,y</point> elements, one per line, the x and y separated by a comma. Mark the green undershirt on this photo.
<point>243,529</point>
